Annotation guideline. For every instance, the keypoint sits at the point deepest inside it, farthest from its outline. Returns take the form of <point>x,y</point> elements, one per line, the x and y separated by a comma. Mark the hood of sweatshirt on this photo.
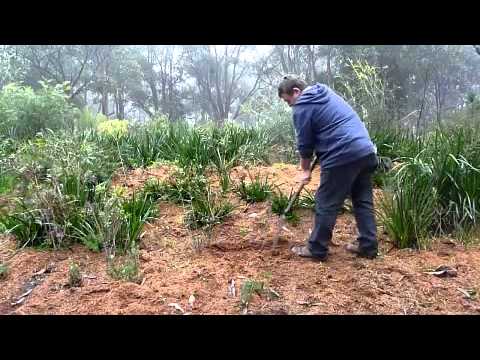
<point>316,94</point>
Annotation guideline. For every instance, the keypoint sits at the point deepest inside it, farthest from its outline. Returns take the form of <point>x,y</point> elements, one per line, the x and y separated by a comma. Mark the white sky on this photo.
<point>252,53</point>
<point>258,51</point>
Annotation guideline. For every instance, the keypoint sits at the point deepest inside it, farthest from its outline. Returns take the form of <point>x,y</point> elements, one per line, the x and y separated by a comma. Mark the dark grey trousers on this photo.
<point>336,184</point>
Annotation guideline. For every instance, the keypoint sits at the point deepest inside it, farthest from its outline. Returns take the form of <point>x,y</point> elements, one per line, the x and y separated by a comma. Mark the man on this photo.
<point>326,124</point>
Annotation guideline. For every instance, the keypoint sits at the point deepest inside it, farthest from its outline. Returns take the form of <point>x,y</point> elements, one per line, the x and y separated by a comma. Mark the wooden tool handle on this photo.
<point>297,193</point>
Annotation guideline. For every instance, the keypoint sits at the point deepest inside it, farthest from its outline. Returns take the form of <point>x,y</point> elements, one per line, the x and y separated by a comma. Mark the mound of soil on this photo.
<point>190,272</point>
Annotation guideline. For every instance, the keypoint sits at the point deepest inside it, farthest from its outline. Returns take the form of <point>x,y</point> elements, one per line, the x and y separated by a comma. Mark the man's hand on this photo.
<point>305,177</point>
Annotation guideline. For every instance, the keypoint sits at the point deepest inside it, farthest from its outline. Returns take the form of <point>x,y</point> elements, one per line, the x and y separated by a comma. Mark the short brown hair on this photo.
<point>288,83</point>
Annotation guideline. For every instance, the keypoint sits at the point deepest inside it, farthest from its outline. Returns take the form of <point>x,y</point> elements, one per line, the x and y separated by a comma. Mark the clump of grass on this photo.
<point>104,226</point>
<point>90,239</point>
<point>204,207</point>
<point>279,205</point>
<point>114,222</point>
<point>74,275</point>
<point>155,188</point>
<point>257,190</point>
<point>307,200</point>
<point>206,210</point>
<point>147,147</point>
<point>279,202</point>
<point>223,166</point>
<point>437,191</point>
<point>137,210</point>
<point>179,188</point>
<point>468,236</point>
<point>409,206</point>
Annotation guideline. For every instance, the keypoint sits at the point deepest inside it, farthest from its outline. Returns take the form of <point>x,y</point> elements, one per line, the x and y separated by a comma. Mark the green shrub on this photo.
<point>25,224</point>
<point>7,182</point>
<point>47,218</point>
<point>25,112</point>
<point>114,128</point>
<point>63,154</point>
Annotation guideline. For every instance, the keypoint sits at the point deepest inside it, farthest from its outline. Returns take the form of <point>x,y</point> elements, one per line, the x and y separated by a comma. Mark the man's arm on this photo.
<point>305,142</point>
<point>302,120</point>
<point>305,164</point>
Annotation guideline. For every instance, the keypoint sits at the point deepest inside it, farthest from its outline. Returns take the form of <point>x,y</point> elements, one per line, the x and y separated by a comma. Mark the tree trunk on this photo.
<point>438,104</point>
<point>329,69</point>
<point>283,62</point>
<point>115,100</point>
<point>120,105</point>
<point>104,102</point>
<point>153,89</point>
<point>423,100</point>
<point>121,108</point>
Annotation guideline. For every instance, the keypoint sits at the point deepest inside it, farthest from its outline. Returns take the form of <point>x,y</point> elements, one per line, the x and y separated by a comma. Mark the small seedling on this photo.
<point>249,288</point>
<point>268,291</point>
<point>74,275</point>
<point>3,271</point>
<point>199,242</point>
<point>225,182</point>
<point>244,231</point>
<point>128,269</point>
<point>168,242</point>
<point>267,275</point>
<point>469,294</point>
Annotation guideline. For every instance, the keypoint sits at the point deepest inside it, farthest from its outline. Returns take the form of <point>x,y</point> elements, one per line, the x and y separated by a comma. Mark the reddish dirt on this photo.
<point>173,269</point>
<point>136,178</point>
